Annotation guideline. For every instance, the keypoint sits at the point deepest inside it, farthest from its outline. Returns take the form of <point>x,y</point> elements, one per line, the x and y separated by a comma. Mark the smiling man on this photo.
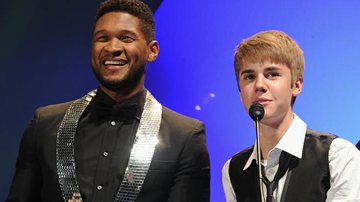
<point>299,164</point>
<point>117,143</point>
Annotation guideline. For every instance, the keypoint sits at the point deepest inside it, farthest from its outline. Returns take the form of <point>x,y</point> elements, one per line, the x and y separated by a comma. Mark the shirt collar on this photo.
<point>292,142</point>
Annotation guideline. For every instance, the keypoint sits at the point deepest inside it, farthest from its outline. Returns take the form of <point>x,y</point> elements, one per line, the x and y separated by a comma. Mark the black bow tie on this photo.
<point>118,111</point>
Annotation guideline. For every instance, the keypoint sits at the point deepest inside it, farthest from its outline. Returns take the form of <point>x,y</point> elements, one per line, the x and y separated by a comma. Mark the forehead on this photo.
<point>263,66</point>
<point>116,21</point>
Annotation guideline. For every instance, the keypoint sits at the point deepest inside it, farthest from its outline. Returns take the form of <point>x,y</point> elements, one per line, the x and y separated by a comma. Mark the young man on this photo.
<point>116,143</point>
<point>317,166</point>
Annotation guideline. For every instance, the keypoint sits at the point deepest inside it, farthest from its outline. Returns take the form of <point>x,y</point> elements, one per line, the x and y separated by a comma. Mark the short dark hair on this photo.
<point>136,8</point>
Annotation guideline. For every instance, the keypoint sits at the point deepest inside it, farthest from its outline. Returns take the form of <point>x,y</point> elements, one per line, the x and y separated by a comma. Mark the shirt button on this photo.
<point>99,187</point>
<point>105,154</point>
<point>113,123</point>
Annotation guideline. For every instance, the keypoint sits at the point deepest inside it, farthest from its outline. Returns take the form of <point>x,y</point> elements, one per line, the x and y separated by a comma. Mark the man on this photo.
<point>312,166</point>
<point>116,143</point>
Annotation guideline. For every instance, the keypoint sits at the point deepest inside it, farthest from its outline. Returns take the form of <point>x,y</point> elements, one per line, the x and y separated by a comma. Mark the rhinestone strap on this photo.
<point>65,160</point>
<point>142,151</point>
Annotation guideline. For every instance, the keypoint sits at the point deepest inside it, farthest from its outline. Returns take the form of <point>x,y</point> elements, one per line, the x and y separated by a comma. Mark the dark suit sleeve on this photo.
<point>192,182</point>
<point>26,183</point>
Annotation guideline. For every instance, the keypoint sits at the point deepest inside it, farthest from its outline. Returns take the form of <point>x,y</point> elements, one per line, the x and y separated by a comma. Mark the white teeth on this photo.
<point>112,62</point>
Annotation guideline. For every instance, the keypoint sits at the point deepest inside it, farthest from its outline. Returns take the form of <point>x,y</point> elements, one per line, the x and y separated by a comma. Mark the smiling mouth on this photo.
<point>115,62</point>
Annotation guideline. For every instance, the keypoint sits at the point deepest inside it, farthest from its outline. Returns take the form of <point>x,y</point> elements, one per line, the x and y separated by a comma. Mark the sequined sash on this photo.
<point>140,156</point>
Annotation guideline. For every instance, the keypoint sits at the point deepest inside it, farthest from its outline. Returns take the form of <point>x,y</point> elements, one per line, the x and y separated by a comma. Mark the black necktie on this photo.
<point>284,163</point>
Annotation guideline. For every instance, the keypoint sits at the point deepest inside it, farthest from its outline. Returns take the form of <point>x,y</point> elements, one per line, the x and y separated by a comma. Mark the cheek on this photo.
<point>93,58</point>
<point>95,53</point>
<point>138,50</point>
<point>245,91</point>
<point>96,48</point>
<point>245,98</point>
<point>95,61</point>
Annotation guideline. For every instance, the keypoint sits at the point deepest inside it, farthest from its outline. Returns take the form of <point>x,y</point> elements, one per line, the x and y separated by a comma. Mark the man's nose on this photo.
<point>114,47</point>
<point>260,83</point>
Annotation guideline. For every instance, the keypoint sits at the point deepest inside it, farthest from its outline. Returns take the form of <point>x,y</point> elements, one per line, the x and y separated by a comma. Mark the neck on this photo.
<point>122,95</point>
<point>271,134</point>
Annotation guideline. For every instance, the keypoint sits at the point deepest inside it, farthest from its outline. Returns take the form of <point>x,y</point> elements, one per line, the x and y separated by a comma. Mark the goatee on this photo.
<point>124,85</point>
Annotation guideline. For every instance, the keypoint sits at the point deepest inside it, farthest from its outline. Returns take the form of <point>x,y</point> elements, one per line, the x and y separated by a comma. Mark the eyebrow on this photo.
<point>271,68</point>
<point>247,71</point>
<point>97,32</point>
<point>266,69</point>
<point>120,32</point>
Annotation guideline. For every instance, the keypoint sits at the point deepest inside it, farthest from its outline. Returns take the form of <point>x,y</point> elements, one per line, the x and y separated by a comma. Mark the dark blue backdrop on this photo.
<point>45,48</point>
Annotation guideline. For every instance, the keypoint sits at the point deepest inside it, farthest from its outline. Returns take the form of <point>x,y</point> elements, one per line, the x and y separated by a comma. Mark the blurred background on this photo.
<point>45,49</point>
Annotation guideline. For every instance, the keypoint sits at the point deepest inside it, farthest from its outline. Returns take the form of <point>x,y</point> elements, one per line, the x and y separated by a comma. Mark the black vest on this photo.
<point>308,178</point>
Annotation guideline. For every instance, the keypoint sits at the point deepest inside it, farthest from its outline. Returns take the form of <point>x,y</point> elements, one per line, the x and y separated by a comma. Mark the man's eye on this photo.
<point>248,77</point>
<point>127,39</point>
<point>272,75</point>
<point>101,38</point>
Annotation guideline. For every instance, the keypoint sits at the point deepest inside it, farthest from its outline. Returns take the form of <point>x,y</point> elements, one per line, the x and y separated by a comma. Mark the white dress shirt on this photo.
<point>344,165</point>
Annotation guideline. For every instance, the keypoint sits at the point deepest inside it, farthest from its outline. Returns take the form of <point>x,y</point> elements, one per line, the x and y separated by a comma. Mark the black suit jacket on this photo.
<point>179,171</point>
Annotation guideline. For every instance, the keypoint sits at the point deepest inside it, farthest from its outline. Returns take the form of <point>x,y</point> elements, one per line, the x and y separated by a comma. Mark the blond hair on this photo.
<point>273,46</point>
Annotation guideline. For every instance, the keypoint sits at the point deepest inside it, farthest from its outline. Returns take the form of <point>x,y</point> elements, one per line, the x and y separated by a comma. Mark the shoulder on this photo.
<point>344,164</point>
<point>319,140</point>
<point>243,154</point>
<point>241,157</point>
<point>225,168</point>
<point>318,143</point>
<point>43,125</point>
<point>319,135</point>
<point>177,122</point>
<point>181,133</point>
<point>51,114</point>
<point>342,148</point>
<point>52,111</point>
<point>338,149</point>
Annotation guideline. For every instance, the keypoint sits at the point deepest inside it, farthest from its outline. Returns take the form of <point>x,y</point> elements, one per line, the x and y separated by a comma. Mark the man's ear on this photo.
<point>153,50</point>
<point>297,87</point>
